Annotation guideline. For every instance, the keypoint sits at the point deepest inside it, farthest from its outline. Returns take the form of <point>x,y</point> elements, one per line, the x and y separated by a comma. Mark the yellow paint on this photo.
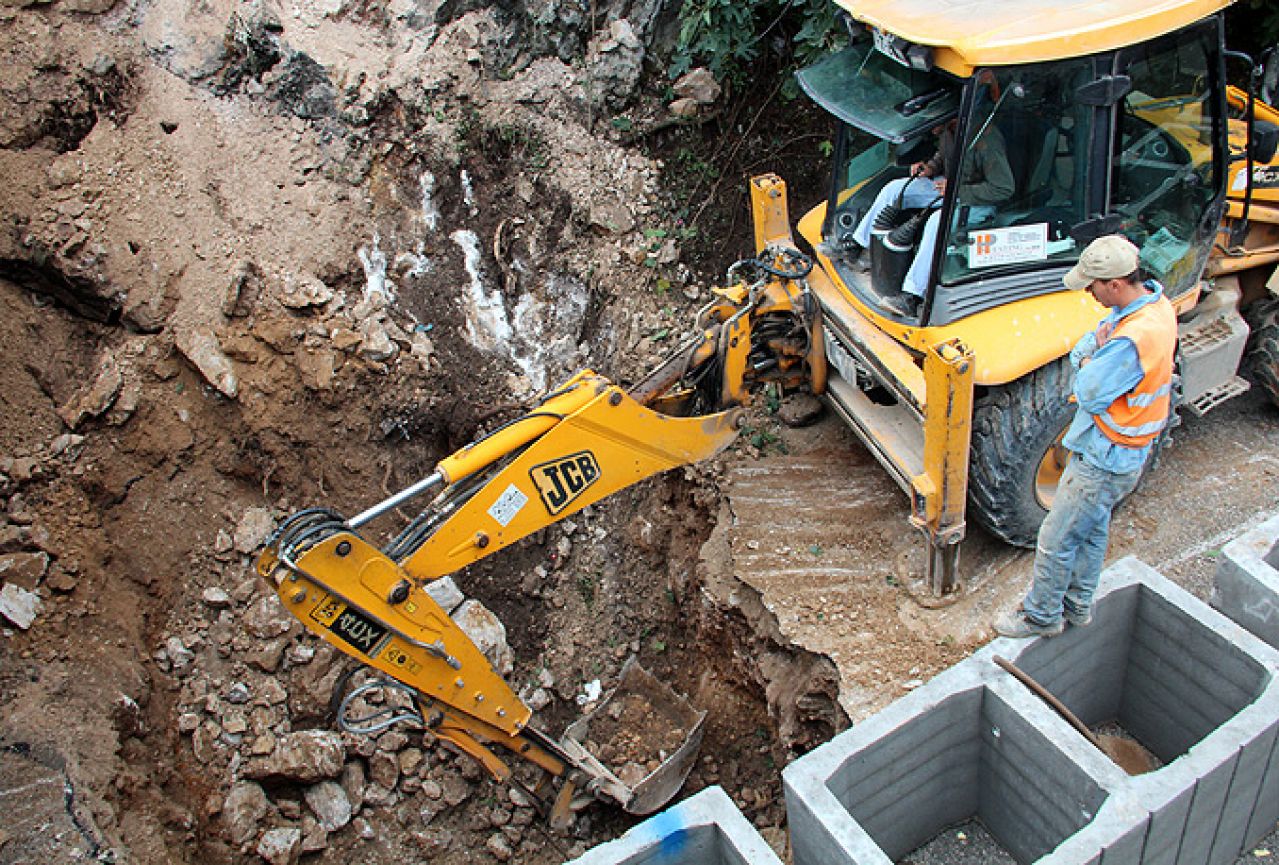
<point>359,582</point>
<point>1003,349</point>
<point>627,442</point>
<point>967,34</point>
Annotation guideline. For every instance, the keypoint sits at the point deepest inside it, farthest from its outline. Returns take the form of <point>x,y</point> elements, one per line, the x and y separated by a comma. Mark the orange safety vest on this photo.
<point>1135,418</point>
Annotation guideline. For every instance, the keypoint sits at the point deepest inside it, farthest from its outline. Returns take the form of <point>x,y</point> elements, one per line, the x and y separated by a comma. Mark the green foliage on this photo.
<point>1253,26</point>
<point>728,36</point>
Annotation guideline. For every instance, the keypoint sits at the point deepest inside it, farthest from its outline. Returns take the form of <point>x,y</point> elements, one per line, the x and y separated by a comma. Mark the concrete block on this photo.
<point>1246,586</point>
<point>705,829</point>
<point>960,747</point>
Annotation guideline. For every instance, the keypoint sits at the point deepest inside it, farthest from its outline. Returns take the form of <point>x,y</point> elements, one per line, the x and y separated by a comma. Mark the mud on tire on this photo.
<point>1263,346</point>
<point>1014,425</point>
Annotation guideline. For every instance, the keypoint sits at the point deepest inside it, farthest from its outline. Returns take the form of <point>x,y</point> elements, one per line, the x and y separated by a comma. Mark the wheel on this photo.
<point>1263,346</point>
<point>1016,455</point>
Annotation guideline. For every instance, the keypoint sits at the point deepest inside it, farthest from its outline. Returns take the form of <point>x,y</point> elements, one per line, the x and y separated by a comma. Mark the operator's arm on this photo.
<point>1111,371</point>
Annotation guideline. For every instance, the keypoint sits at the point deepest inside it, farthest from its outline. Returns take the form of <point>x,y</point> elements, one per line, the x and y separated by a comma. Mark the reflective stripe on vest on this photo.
<point>1135,418</point>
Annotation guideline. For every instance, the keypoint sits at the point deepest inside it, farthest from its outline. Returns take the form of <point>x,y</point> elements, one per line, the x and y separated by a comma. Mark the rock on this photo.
<point>223,543</point>
<point>216,598</point>
<point>245,806</point>
<point>456,790</point>
<point>67,443</point>
<point>266,618</point>
<point>238,694</point>
<point>698,85</point>
<point>487,633</point>
<point>330,804</point>
<point>611,216</point>
<point>421,348</point>
<point>445,593</point>
<point>316,368</point>
<point>314,838</point>
<point>87,7</point>
<point>24,570</point>
<point>499,847</point>
<point>375,343</point>
<point>384,770</point>
<point>200,346</point>
<point>410,759</point>
<point>269,654</point>
<point>353,782</point>
<point>95,399</point>
<point>280,846</point>
<point>305,291</point>
<point>243,291</point>
<point>307,757</point>
<point>253,529</point>
<point>60,581</point>
<point>19,606</point>
<point>685,108</point>
<point>800,410</point>
<point>539,699</point>
<point>178,654</point>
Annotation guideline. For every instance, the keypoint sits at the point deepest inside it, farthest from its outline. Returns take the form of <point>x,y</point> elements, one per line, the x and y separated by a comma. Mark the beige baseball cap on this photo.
<point>1108,257</point>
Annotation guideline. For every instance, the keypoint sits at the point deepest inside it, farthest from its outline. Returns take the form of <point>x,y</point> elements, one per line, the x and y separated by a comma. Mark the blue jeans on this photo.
<point>1072,541</point>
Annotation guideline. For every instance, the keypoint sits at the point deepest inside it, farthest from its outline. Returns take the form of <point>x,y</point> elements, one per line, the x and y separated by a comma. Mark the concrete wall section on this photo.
<point>705,829</point>
<point>1193,687</point>
<point>1246,587</point>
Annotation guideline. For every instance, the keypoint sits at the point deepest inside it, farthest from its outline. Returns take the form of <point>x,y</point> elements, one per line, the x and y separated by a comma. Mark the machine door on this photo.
<point>1167,181</point>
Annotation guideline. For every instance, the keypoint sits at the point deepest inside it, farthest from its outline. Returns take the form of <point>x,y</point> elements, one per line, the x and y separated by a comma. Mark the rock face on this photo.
<point>244,807</point>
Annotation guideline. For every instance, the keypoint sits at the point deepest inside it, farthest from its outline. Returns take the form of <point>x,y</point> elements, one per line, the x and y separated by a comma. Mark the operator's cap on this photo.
<point>1108,257</point>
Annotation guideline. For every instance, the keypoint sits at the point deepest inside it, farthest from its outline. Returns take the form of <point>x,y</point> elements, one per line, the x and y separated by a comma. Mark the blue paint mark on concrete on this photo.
<point>668,833</point>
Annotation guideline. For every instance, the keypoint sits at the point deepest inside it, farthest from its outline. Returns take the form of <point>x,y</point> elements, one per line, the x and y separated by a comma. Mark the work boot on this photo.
<point>902,304</point>
<point>1017,626</point>
<point>1077,619</point>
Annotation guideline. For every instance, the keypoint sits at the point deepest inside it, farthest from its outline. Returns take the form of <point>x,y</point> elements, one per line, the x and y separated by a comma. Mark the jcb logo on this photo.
<point>561,481</point>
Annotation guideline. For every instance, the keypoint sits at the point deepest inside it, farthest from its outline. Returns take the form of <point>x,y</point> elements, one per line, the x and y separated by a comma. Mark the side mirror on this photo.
<point>1264,142</point>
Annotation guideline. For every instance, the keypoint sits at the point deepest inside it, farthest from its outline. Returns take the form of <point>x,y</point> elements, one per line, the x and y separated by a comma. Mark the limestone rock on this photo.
<point>445,593</point>
<point>19,606</point>
<point>246,805</point>
<point>699,85</point>
<point>487,633</point>
<point>330,804</point>
<point>200,346</point>
<point>24,570</point>
<point>281,846</point>
<point>304,292</point>
<point>253,529</point>
<point>308,756</point>
<point>266,618</point>
<point>95,399</point>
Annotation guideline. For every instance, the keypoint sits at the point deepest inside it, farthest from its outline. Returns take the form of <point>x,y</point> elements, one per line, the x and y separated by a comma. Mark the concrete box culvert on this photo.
<point>1246,585</point>
<point>1196,689</point>
<point>961,747</point>
<point>705,829</point>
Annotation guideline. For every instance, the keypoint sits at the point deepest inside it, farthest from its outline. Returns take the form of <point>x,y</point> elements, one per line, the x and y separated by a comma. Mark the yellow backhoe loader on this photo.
<point>1114,116</point>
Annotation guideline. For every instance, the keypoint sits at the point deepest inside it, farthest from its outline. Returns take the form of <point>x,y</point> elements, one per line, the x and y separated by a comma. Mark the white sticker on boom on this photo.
<point>508,504</point>
<point>991,246</point>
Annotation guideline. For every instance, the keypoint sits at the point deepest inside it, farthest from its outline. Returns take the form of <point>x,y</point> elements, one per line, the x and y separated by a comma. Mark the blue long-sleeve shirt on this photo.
<point>1112,371</point>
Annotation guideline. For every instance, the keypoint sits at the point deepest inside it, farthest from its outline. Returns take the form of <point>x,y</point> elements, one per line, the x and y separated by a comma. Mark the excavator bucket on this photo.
<point>644,734</point>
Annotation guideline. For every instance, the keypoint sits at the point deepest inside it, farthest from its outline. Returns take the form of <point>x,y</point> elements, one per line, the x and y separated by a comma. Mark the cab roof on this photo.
<point>971,33</point>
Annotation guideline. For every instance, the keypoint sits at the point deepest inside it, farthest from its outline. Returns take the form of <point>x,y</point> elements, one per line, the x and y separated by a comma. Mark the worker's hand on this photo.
<point>940,185</point>
<point>1104,331</point>
<point>921,169</point>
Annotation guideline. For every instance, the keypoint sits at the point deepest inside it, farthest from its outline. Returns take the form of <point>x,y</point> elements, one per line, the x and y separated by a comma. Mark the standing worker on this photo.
<point>1123,384</point>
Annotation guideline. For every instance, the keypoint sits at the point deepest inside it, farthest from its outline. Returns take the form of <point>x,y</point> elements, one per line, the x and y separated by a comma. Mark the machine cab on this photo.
<point>1039,158</point>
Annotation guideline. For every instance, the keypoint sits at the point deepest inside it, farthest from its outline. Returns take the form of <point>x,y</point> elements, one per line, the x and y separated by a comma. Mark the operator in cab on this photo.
<point>986,182</point>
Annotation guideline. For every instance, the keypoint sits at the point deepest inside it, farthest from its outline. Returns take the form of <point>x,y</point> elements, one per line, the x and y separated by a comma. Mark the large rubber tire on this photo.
<point>1015,453</point>
<point>1263,346</point>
